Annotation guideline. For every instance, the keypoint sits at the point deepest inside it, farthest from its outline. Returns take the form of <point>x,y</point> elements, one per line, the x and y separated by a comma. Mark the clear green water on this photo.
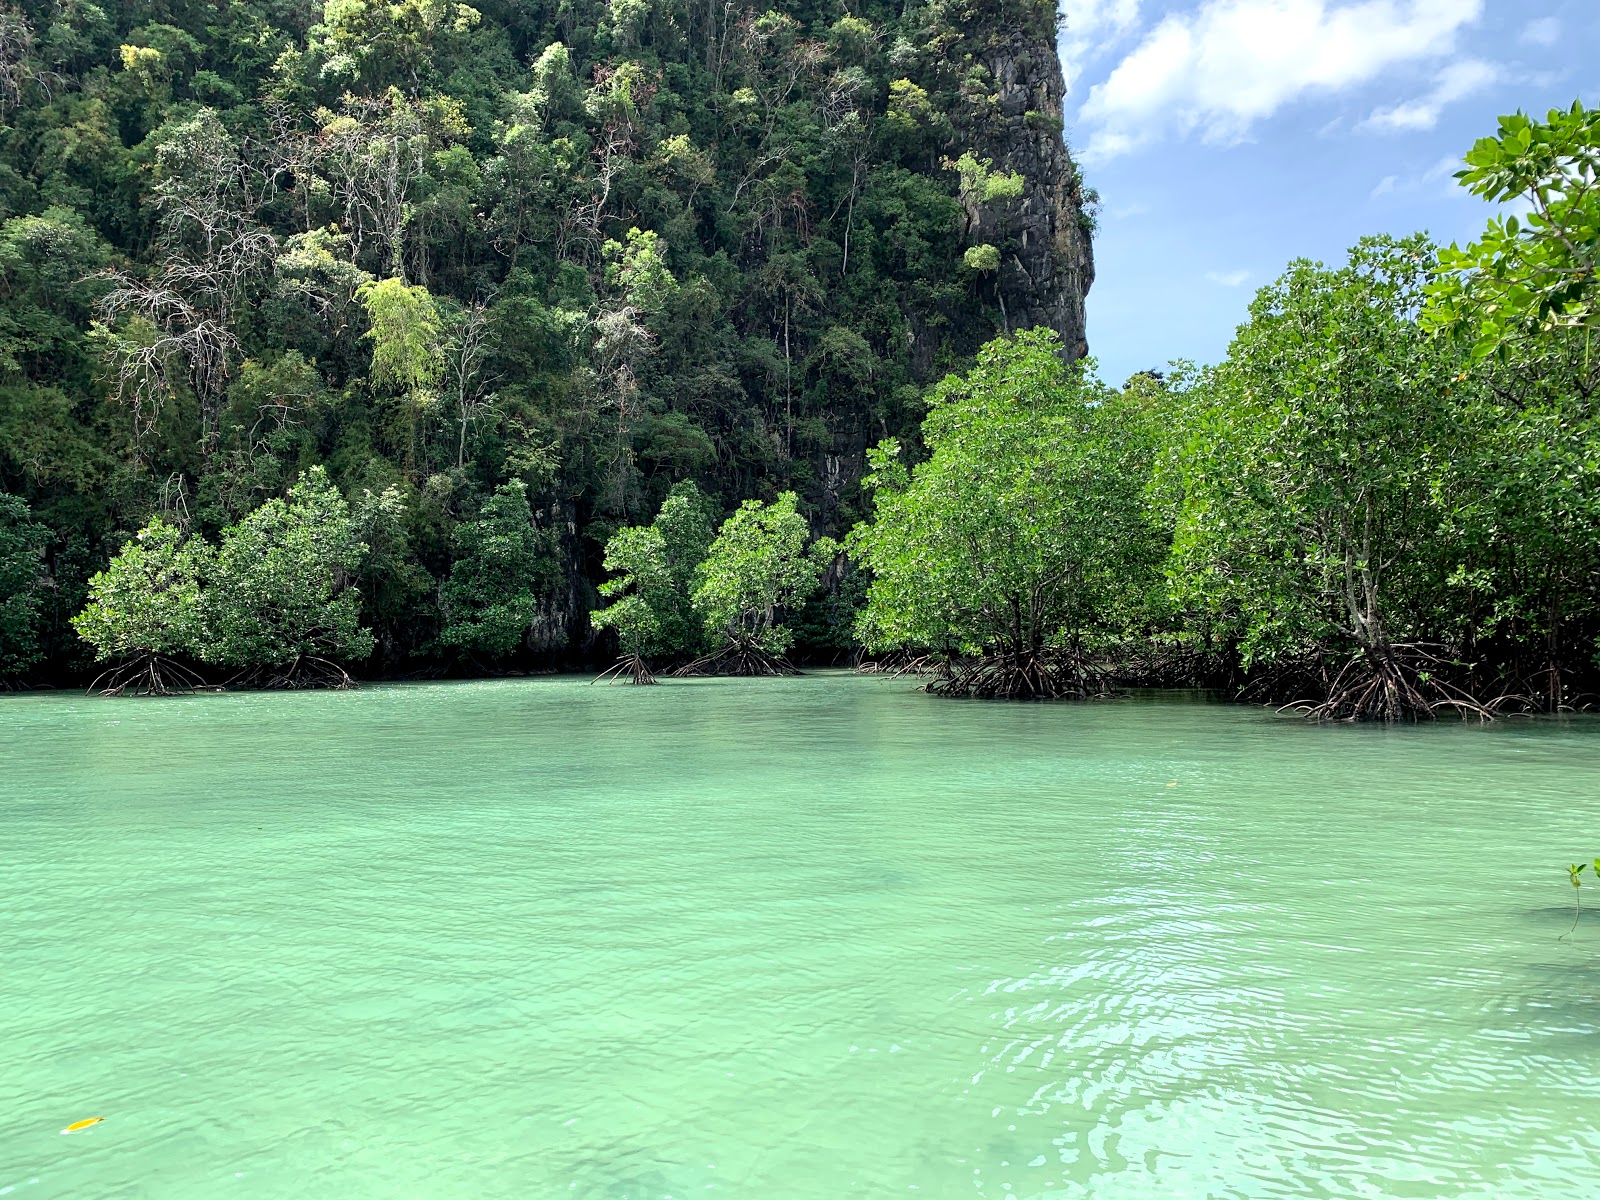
<point>819,938</point>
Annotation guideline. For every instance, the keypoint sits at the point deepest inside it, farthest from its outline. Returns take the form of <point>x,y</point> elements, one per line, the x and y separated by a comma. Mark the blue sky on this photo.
<point>1227,137</point>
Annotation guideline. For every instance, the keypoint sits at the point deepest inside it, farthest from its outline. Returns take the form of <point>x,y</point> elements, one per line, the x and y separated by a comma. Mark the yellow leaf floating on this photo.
<point>79,1126</point>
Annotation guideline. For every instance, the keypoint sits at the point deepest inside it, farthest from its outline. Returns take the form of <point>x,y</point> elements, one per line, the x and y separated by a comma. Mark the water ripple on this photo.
<point>795,939</point>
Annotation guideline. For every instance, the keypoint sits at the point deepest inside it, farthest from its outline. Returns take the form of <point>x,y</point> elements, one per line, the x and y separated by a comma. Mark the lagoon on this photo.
<point>804,938</point>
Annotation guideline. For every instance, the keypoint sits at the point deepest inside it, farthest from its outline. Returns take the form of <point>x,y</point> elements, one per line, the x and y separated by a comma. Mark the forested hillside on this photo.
<point>505,272</point>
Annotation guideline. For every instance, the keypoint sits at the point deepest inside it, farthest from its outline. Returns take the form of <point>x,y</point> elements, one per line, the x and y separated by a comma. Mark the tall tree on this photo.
<point>1022,536</point>
<point>144,614</point>
<point>652,569</point>
<point>280,606</point>
<point>758,567</point>
<point>1309,515</point>
<point>1526,298</point>
<point>503,564</point>
<point>180,328</point>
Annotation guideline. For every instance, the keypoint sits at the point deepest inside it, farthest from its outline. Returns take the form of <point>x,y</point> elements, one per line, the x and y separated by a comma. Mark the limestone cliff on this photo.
<point>1046,262</point>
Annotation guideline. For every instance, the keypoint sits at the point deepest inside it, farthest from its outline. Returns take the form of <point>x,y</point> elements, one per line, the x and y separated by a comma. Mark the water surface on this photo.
<point>814,939</point>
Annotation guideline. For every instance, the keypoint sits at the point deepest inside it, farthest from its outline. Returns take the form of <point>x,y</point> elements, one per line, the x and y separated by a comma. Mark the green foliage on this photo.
<point>21,541</point>
<point>147,602</point>
<point>502,566</point>
<point>1575,877</point>
<point>1540,272</point>
<point>1025,529</point>
<point>382,42</point>
<point>1308,512</point>
<point>981,183</point>
<point>405,336</point>
<point>1525,299</point>
<point>640,588</point>
<point>639,270</point>
<point>758,566</point>
<point>1370,509</point>
<point>396,590</point>
<point>852,39</point>
<point>652,568</point>
<point>687,523</point>
<point>1521,487</point>
<point>909,109</point>
<point>280,589</point>
<point>598,248</point>
<point>982,258</point>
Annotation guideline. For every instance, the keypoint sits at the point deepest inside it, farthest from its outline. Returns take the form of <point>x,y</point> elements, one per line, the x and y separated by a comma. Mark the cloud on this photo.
<point>1546,31</point>
<point>1455,82</point>
<point>1091,28</point>
<point>1229,63</point>
<point>1128,211</point>
<point>1230,279</point>
<point>1439,179</point>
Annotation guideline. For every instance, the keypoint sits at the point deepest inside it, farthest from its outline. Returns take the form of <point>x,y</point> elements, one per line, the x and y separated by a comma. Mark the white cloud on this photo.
<point>1231,279</point>
<point>1230,63</point>
<point>1091,28</point>
<point>1439,179</point>
<point>1546,31</point>
<point>1455,82</point>
<point>1445,168</point>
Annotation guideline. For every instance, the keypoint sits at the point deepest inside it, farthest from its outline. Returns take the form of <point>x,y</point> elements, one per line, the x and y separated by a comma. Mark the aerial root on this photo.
<point>1391,684</point>
<point>738,658</point>
<point>630,665</point>
<point>900,663</point>
<point>148,675</point>
<point>1016,677</point>
<point>303,673</point>
<point>1156,663</point>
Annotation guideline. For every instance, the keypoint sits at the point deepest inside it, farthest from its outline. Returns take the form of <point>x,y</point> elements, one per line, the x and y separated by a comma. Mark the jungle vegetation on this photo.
<point>1383,504</point>
<point>377,339</point>
<point>506,273</point>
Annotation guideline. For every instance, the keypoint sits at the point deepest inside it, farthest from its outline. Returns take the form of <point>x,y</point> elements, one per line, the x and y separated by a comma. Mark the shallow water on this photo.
<point>813,938</point>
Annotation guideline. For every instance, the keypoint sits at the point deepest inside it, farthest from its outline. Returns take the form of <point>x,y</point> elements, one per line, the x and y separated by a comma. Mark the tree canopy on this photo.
<point>502,564</point>
<point>438,249</point>
<point>279,601</point>
<point>1533,274</point>
<point>144,611</point>
<point>21,541</point>
<point>1022,534</point>
<point>1309,509</point>
<point>761,564</point>
<point>652,567</point>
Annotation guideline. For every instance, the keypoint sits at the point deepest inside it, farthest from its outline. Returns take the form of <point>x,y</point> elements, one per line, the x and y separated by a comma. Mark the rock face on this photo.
<point>1046,261</point>
<point>561,631</point>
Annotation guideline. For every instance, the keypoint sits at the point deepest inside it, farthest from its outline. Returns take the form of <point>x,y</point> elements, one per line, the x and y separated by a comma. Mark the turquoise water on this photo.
<point>811,938</point>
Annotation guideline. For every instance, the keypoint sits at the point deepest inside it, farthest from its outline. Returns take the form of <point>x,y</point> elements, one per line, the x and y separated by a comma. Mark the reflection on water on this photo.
<point>807,938</point>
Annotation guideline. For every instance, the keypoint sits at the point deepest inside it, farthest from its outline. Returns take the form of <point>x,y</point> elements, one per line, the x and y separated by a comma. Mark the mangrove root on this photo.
<point>148,675</point>
<point>1162,663</point>
<point>1391,684</point>
<point>1016,677</point>
<point>738,658</point>
<point>900,663</point>
<point>629,666</point>
<point>302,673</point>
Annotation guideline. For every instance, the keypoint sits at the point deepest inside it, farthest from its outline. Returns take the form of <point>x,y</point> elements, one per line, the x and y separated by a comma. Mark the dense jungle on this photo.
<point>525,259</point>
<point>363,340</point>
